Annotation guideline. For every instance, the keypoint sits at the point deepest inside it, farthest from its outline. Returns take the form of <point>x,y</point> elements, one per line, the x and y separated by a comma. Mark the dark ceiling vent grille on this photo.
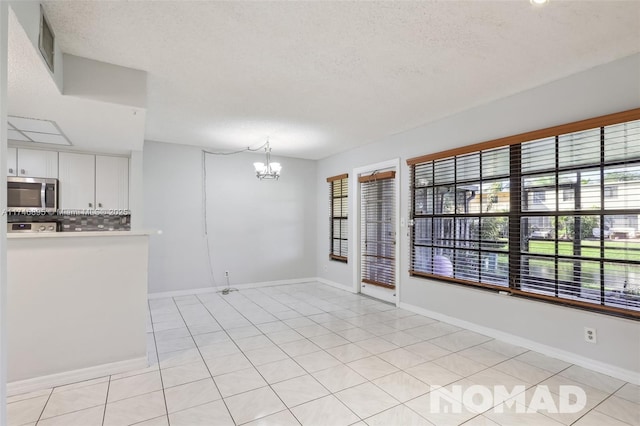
<point>46,41</point>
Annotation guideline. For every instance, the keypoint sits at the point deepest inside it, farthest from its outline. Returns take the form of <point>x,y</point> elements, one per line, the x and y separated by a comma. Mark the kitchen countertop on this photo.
<point>79,234</point>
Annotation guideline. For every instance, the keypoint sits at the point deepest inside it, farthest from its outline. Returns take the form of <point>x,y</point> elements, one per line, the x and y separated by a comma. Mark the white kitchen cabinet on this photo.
<point>12,161</point>
<point>112,182</point>
<point>37,163</point>
<point>77,176</point>
<point>98,182</point>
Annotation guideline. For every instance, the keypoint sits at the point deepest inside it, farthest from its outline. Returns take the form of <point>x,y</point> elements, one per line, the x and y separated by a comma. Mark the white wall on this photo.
<point>606,89</point>
<point>258,231</point>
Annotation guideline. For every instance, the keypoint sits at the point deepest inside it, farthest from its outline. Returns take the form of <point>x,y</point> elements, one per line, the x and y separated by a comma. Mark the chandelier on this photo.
<point>270,171</point>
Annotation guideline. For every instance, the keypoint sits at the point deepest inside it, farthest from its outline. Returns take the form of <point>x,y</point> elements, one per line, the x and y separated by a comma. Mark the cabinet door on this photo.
<point>112,182</point>
<point>77,181</point>
<point>37,163</point>
<point>12,162</point>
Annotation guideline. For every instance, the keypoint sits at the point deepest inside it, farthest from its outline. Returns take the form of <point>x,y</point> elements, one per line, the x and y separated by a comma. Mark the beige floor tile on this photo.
<point>253,405</point>
<point>399,415</point>
<point>338,378</point>
<point>299,390</point>
<point>25,411</point>
<point>620,409</point>
<point>212,413</point>
<point>402,386</point>
<point>76,399</point>
<point>190,395</point>
<point>373,367</point>
<point>134,410</point>
<point>278,371</point>
<point>185,373</point>
<point>366,400</point>
<point>239,381</point>
<point>324,411</point>
<point>134,385</point>
<point>89,417</point>
<point>316,361</point>
<point>283,418</point>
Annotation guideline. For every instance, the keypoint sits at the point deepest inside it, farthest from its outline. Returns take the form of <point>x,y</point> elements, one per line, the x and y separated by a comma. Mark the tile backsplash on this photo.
<point>79,223</point>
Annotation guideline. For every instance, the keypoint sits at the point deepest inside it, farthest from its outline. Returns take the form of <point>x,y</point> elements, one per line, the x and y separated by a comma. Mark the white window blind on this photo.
<point>553,218</point>
<point>338,217</point>
<point>378,238</point>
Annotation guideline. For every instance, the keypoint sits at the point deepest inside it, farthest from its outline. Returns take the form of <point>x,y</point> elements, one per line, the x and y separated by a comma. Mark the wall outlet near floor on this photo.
<point>226,274</point>
<point>590,335</point>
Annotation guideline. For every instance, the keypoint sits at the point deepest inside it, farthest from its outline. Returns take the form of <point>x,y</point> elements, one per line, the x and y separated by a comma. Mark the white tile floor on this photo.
<point>314,355</point>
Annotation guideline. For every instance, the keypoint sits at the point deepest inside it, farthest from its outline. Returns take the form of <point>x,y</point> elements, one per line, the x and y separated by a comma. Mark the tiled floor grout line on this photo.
<point>44,406</point>
<point>599,404</point>
<point>155,343</point>
<point>106,401</point>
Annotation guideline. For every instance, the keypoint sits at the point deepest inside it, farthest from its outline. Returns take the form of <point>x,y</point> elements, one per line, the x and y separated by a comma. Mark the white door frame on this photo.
<point>355,214</point>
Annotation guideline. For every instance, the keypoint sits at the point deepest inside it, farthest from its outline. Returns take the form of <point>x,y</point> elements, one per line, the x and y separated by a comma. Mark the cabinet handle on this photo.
<point>90,204</point>
<point>23,172</point>
<point>10,170</point>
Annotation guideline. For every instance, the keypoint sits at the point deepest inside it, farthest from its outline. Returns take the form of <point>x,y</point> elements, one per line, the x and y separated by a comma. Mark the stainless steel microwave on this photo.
<point>32,195</point>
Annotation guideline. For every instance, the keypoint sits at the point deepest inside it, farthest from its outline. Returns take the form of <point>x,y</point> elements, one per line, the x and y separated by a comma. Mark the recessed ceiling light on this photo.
<point>538,2</point>
<point>35,130</point>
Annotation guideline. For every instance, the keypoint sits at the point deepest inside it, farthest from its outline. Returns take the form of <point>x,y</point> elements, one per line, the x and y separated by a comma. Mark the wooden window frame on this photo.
<point>516,212</point>
<point>332,180</point>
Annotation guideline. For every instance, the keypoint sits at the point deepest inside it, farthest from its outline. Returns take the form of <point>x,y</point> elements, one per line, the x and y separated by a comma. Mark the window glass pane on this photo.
<point>467,265</point>
<point>580,280</point>
<point>622,285</point>
<point>495,162</point>
<point>579,148</point>
<point>423,201</point>
<point>443,231</point>
<point>442,264</point>
<point>539,193</point>
<point>494,233</point>
<point>468,167</point>
<point>622,187</point>
<point>422,231</point>
<point>444,201</point>
<point>539,155</point>
<point>538,275</point>
<point>444,171</point>
<point>423,259</point>
<point>423,174</point>
<point>494,268</point>
<point>467,232</point>
<point>590,196</point>
<point>622,142</point>
<point>495,196</point>
<point>538,228</point>
<point>620,227</point>
<point>467,198</point>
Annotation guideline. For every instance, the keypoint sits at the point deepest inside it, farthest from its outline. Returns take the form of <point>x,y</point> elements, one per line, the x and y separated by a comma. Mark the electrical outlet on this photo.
<point>226,273</point>
<point>590,335</point>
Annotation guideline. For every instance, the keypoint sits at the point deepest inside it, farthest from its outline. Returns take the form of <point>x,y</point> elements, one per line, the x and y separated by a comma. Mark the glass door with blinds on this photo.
<point>378,234</point>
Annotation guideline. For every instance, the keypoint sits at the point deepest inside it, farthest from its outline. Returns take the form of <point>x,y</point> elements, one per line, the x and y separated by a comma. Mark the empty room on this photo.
<point>320,213</point>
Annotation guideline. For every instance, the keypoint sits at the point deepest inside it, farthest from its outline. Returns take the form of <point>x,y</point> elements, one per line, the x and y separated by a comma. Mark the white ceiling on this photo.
<point>319,78</point>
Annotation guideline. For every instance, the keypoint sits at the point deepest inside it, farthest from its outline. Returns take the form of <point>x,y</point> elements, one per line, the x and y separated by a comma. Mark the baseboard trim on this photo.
<point>334,284</point>
<point>203,290</point>
<point>571,357</point>
<point>68,377</point>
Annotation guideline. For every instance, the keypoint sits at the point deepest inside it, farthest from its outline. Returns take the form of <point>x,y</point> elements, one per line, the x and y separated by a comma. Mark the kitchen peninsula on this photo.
<point>77,306</point>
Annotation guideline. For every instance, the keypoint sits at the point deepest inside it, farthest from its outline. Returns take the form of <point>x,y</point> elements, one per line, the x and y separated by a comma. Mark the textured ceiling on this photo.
<point>318,78</point>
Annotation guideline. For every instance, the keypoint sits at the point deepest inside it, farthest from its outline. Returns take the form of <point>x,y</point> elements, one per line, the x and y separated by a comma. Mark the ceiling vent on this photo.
<point>46,41</point>
<point>35,130</point>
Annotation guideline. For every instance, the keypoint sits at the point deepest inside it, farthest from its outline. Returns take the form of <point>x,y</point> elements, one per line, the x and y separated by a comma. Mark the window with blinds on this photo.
<point>552,214</point>
<point>338,217</point>
<point>378,235</point>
